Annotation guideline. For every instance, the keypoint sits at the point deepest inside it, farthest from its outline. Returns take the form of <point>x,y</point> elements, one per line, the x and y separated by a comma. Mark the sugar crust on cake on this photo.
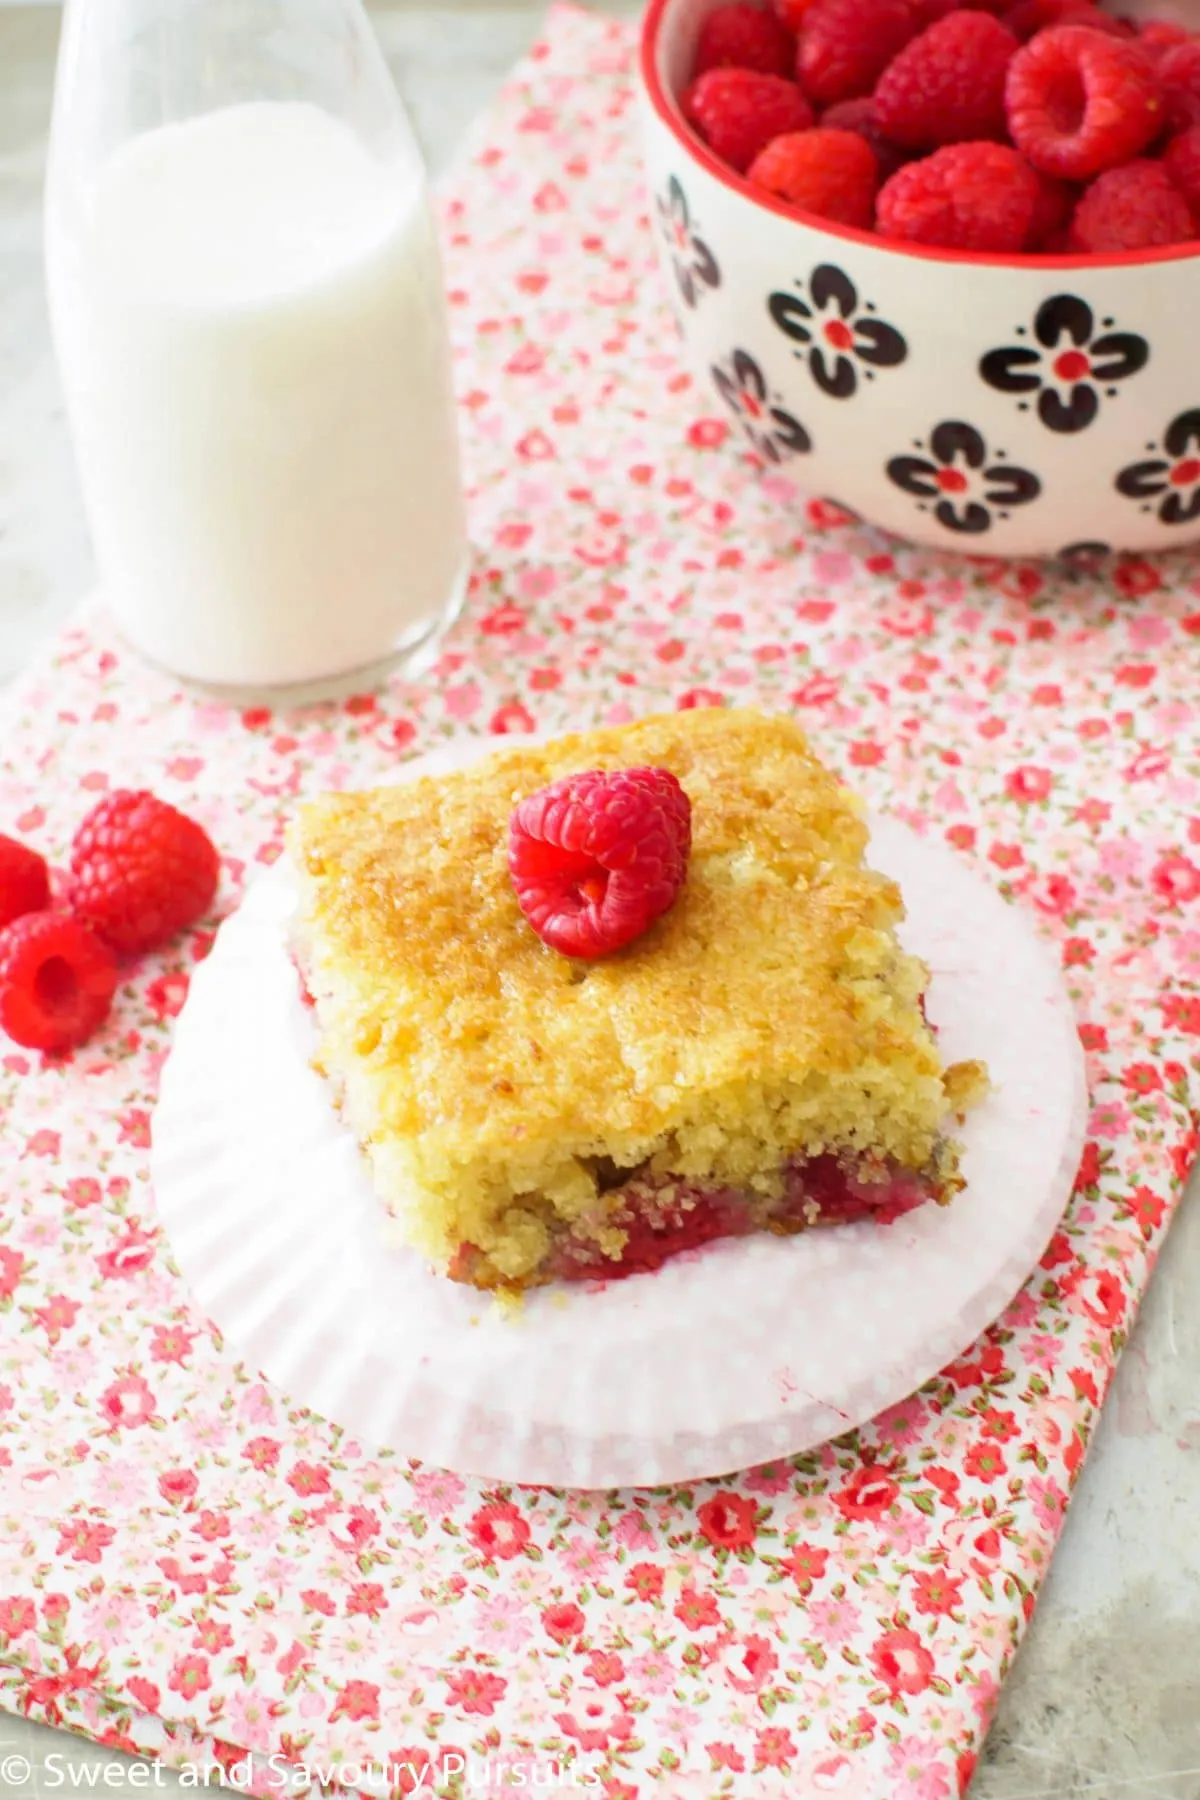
<point>770,1014</point>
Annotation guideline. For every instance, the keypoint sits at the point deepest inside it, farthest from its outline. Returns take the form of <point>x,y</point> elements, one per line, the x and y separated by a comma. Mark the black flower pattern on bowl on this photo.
<point>1168,482</point>
<point>965,489</point>
<point>1085,556</point>
<point>772,430</point>
<point>834,332</point>
<point>1067,365</point>
<point>695,266</point>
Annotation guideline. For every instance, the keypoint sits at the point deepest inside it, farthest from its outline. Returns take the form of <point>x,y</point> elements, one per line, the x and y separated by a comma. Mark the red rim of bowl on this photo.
<point>699,152</point>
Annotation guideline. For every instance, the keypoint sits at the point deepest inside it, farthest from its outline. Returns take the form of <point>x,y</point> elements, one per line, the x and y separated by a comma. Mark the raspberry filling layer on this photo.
<point>665,1217</point>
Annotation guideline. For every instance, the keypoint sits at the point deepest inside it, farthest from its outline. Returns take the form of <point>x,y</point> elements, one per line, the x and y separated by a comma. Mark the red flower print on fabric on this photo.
<point>499,1531</point>
<point>902,1662</point>
<point>357,1700</point>
<point>728,1521</point>
<point>868,1494</point>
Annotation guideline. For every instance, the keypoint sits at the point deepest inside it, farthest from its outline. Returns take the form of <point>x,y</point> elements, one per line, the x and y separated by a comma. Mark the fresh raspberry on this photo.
<point>57,981</point>
<point>1028,17</point>
<point>947,86</point>
<point>1051,214</point>
<point>141,871</point>
<point>1157,35</point>
<point>1096,19</point>
<point>24,881</point>
<point>833,174</point>
<point>845,45</point>
<point>1181,160</point>
<point>1178,71</point>
<point>859,115</point>
<point>596,858</point>
<point>978,197</point>
<point>928,12</point>
<point>1079,103</point>
<point>791,12</point>
<point>738,111</point>
<point>1134,207</point>
<point>742,37</point>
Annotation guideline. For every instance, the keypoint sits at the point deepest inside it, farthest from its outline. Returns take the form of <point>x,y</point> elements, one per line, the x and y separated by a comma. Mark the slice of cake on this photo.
<point>755,1059</point>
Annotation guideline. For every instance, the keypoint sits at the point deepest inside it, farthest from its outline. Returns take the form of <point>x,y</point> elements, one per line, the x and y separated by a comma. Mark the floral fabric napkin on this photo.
<point>193,1569</point>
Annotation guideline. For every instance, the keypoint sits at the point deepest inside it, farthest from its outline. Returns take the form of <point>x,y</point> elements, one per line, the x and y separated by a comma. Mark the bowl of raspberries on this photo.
<point>941,261</point>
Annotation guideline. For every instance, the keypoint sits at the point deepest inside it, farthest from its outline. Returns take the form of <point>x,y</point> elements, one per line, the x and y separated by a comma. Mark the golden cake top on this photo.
<point>485,1064</point>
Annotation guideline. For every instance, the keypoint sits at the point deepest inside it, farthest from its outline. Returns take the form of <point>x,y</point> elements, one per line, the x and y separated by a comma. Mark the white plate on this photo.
<point>727,1357</point>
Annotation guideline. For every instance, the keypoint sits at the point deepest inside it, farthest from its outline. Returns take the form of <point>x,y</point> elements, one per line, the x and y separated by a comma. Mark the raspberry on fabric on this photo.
<point>743,37</point>
<point>1181,160</point>
<point>859,115</point>
<point>738,111</point>
<point>57,981</point>
<point>140,871</point>
<point>1079,103</point>
<point>1135,207</point>
<point>1178,72</point>
<point>831,173</point>
<point>979,197</point>
<point>845,45</point>
<point>1028,17</point>
<point>947,86</point>
<point>595,858</point>
<point>24,880</point>
<point>1051,214</point>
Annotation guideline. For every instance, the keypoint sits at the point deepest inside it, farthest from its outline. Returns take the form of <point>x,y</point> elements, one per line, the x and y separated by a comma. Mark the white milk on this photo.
<point>251,327</point>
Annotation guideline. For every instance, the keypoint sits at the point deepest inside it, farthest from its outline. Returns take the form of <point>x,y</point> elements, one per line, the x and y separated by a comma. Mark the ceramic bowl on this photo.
<point>1036,406</point>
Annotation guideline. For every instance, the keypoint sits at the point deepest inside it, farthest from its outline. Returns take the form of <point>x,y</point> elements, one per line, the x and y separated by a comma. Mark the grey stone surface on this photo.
<point>1104,1700</point>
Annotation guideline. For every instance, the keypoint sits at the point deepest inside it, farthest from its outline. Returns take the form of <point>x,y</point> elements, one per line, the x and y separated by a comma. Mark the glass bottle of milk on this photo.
<point>249,313</point>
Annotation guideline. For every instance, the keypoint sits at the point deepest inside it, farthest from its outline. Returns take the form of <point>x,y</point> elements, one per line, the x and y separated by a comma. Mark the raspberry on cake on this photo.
<point>596,858</point>
<point>756,1060</point>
